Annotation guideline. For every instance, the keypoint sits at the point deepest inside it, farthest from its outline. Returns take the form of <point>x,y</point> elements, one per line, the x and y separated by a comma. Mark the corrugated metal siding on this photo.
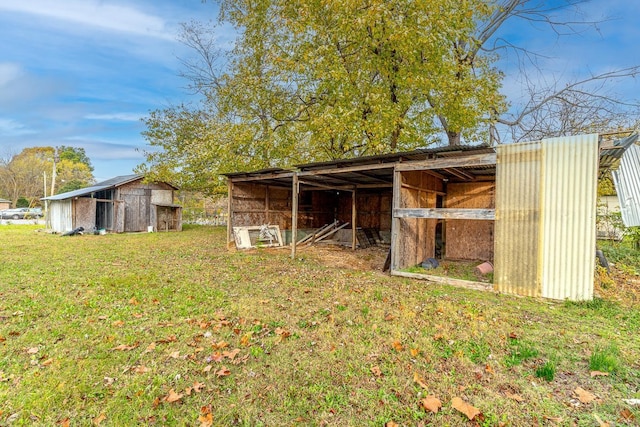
<point>516,256</point>
<point>569,192</point>
<point>60,215</point>
<point>545,218</point>
<point>627,182</point>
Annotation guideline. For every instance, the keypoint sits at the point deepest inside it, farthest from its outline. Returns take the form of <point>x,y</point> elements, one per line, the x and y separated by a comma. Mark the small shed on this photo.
<point>5,204</point>
<point>120,204</point>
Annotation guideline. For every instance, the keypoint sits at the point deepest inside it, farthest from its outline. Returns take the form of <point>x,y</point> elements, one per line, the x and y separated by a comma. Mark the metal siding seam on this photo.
<point>627,183</point>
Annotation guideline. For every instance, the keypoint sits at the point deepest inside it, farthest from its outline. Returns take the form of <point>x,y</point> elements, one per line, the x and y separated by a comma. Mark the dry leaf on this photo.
<point>414,352</point>
<point>397,345</point>
<point>32,350</point>
<point>231,354</point>
<point>391,424</point>
<point>118,323</point>
<point>375,370</point>
<point>599,374</point>
<point>438,336</point>
<point>124,347</point>
<point>197,387</point>
<point>431,404</point>
<point>220,345</point>
<point>141,369</point>
<point>389,317</point>
<point>63,423</point>
<point>553,419</point>
<point>172,396</point>
<point>515,397</point>
<point>47,362</point>
<point>283,333</point>
<point>627,414</point>
<point>417,379</point>
<point>245,340</point>
<point>100,418</point>
<point>584,396</point>
<point>207,368</point>
<point>465,408</point>
<point>488,369</point>
<point>206,417</point>
<point>150,348</point>
<point>600,422</point>
<point>134,301</point>
<point>223,372</point>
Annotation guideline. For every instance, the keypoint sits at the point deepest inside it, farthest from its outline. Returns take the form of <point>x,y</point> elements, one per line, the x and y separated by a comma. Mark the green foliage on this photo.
<point>22,203</point>
<point>546,371</point>
<point>310,81</point>
<point>605,359</point>
<point>520,351</point>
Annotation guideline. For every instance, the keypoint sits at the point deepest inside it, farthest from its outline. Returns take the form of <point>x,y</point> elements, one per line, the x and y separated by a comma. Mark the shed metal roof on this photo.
<point>104,185</point>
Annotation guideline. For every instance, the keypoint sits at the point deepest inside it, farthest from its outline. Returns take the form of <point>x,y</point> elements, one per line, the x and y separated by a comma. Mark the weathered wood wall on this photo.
<point>416,238</point>
<point>470,239</point>
<point>255,204</point>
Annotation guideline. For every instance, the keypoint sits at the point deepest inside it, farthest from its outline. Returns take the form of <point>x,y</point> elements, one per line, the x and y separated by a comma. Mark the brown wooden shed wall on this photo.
<point>470,239</point>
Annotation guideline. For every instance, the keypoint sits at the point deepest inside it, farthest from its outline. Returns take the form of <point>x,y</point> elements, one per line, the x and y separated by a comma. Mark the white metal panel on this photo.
<point>60,215</point>
<point>568,216</point>
<point>627,182</point>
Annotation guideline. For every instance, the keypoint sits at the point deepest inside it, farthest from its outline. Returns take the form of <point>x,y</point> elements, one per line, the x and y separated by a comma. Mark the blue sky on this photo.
<point>83,72</point>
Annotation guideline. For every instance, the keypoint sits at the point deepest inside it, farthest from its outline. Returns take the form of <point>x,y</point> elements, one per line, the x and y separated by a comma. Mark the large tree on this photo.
<point>27,173</point>
<point>315,79</point>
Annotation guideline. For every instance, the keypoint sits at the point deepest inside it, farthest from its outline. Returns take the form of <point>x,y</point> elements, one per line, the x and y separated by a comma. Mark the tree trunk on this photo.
<point>454,138</point>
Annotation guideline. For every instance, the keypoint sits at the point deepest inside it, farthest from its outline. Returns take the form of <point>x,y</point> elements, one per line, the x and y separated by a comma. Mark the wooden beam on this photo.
<point>445,213</point>
<point>294,215</point>
<point>468,284</point>
<point>414,187</point>
<point>229,210</point>
<point>326,186</point>
<point>354,216</point>
<point>332,171</point>
<point>459,173</point>
<point>449,162</point>
<point>261,177</point>
<point>395,222</point>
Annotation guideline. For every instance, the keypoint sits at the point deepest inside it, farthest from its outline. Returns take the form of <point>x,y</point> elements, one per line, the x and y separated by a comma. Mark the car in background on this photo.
<point>21,213</point>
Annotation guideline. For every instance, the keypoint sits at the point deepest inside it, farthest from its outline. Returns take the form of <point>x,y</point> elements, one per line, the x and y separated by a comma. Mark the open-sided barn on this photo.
<point>528,208</point>
<point>120,204</point>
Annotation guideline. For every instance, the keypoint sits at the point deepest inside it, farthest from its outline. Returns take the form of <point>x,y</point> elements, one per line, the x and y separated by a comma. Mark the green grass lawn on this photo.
<point>173,329</point>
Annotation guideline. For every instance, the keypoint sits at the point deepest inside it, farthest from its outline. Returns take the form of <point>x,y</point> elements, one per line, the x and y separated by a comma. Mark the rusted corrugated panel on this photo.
<point>516,255</point>
<point>627,182</point>
<point>568,210</point>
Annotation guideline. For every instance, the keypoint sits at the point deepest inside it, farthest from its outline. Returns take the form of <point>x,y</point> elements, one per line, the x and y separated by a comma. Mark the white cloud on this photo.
<point>123,117</point>
<point>9,127</point>
<point>92,13</point>
<point>9,72</point>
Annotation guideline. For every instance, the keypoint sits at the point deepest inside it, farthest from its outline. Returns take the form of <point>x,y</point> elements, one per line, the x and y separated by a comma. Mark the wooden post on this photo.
<point>354,215</point>
<point>229,207</point>
<point>294,214</point>
<point>395,222</point>
<point>266,205</point>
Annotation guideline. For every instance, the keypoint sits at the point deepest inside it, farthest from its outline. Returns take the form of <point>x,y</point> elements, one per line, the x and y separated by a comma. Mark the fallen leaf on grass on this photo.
<point>599,374</point>
<point>391,424</point>
<point>389,317</point>
<point>124,347</point>
<point>431,404</point>
<point>375,370</point>
<point>141,369</point>
<point>414,352</point>
<point>600,422</point>
<point>220,345</point>
<point>553,419</point>
<point>283,333</point>
<point>175,354</point>
<point>626,414</point>
<point>231,354</point>
<point>515,397</point>
<point>47,362</point>
<point>118,323</point>
<point>207,368</point>
<point>100,418</point>
<point>206,417</point>
<point>150,348</point>
<point>397,345</point>
<point>245,340</point>
<point>167,340</point>
<point>223,372</point>
<point>418,380</point>
<point>65,422</point>
<point>32,350</point>
<point>462,406</point>
<point>172,396</point>
<point>584,396</point>
<point>134,301</point>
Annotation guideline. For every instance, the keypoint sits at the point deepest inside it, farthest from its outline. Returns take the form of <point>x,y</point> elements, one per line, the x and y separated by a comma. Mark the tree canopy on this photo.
<point>312,80</point>
<point>29,172</point>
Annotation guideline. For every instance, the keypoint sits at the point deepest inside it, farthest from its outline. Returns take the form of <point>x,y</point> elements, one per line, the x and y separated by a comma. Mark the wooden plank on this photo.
<point>330,233</point>
<point>415,187</point>
<point>449,162</point>
<point>354,216</point>
<point>348,169</point>
<point>229,211</point>
<point>294,215</point>
<point>468,284</point>
<point>260,177</point>
<point>395,222</point>
<point>445,213</point>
